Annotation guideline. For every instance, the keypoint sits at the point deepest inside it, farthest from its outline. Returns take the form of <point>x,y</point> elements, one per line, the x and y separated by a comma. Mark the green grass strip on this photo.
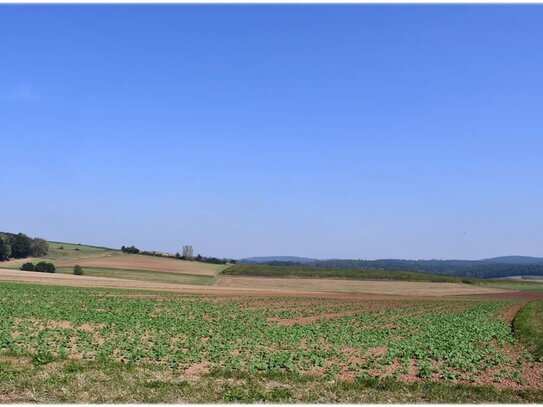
<point>529,325</point>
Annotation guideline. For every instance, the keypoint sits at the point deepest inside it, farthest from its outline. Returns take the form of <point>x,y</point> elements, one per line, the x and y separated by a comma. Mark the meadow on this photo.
<point>400,345</point>
<point>185,331</point>
<point>111,263</point>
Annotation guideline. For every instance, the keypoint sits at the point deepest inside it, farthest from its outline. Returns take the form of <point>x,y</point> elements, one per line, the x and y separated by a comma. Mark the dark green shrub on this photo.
<point>78,270</point>
<point>27,266</point>
<point>131,249</point>
<point>45,267</point>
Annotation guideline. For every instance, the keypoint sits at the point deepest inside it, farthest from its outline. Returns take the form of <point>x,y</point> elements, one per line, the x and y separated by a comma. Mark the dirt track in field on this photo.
<point>255,286</point>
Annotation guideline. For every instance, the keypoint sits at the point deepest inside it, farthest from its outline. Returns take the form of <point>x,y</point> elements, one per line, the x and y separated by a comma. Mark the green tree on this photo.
<point>5,249</point>
<point>78,270</point>
<point>38,247</point>
<point>132,249</point>
<point>20,246</point>
<point>45,267</point>
<point>27,266</point>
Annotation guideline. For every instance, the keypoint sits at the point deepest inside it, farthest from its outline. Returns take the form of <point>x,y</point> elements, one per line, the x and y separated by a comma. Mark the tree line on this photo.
<point>20,246</point>
<point>213,260</point>
<point>459,268</point>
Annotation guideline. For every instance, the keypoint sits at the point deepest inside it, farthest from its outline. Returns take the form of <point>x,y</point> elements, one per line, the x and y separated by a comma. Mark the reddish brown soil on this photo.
<point>508,295</point>
<point>197,369</point>
<point>511,312</point>
<point>308,320</point>
<point>318,307</point>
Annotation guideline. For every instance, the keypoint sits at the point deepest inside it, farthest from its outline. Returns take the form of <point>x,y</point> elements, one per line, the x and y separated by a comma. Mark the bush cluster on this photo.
<point>78,270</point>
<point>41,267</point>
<point>131,249</point>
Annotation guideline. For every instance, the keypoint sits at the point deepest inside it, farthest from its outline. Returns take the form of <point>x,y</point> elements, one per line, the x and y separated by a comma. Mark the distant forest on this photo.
<point>20,246</point>
<point>462,268</point>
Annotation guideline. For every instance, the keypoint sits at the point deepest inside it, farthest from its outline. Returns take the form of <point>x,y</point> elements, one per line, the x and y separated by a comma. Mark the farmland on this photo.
<point>316,285</point>
<point>138,328</point>
<point>105,267</point>
<point>110,263</point>
<point>338,342</point>
<point>259,270</point>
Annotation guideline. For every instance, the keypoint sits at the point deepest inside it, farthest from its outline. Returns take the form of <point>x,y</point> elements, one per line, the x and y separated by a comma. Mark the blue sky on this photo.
<point>325,131</point>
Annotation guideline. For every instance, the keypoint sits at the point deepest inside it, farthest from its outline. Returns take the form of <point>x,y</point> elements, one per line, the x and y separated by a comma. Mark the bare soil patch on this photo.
<point>198,369</point>
<point>511,312</point>
<point>308,320</point>
<point>256,286</point>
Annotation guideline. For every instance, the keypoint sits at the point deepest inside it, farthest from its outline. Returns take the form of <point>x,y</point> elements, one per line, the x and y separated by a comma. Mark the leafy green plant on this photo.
<point>457,338</point>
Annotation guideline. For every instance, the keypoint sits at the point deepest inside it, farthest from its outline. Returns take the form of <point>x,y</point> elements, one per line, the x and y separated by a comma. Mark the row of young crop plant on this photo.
<point>445,340</point>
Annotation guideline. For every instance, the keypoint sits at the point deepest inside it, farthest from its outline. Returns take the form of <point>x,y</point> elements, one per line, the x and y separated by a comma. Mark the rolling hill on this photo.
<point>496,267</point>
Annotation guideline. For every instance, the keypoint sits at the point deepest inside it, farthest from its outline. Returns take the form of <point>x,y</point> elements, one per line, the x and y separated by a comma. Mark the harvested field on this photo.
<point>102,282</point>
<point>403,288</point>
<point>510,295</point>
<point>263,286</point>
<point>140,262</point>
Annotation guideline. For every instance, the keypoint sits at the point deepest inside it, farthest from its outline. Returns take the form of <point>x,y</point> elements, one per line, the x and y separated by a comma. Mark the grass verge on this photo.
<point>529,326</point>
<point>75,381</point>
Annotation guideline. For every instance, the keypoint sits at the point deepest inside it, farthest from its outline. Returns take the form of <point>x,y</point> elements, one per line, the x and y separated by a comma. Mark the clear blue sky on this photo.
<point>325,131</point>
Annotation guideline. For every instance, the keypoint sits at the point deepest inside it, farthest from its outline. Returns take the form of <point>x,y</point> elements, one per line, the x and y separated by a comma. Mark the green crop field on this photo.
<point>65,251</point>
<point>308,340</point>
<point>315,272</point>
<point>73,246</point>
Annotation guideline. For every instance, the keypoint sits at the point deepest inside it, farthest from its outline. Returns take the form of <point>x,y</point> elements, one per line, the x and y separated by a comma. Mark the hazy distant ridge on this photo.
<point>514,260</point>
<point>486,268</point>
<point>267,259</point>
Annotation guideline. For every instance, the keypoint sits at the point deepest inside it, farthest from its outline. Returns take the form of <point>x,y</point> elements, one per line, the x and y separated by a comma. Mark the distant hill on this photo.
<point>514,260</point>
<point>496,267</point>
<point>281,259</point>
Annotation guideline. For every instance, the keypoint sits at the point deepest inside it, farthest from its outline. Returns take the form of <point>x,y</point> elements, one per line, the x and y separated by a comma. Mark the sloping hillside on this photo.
<point>106,262</point>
